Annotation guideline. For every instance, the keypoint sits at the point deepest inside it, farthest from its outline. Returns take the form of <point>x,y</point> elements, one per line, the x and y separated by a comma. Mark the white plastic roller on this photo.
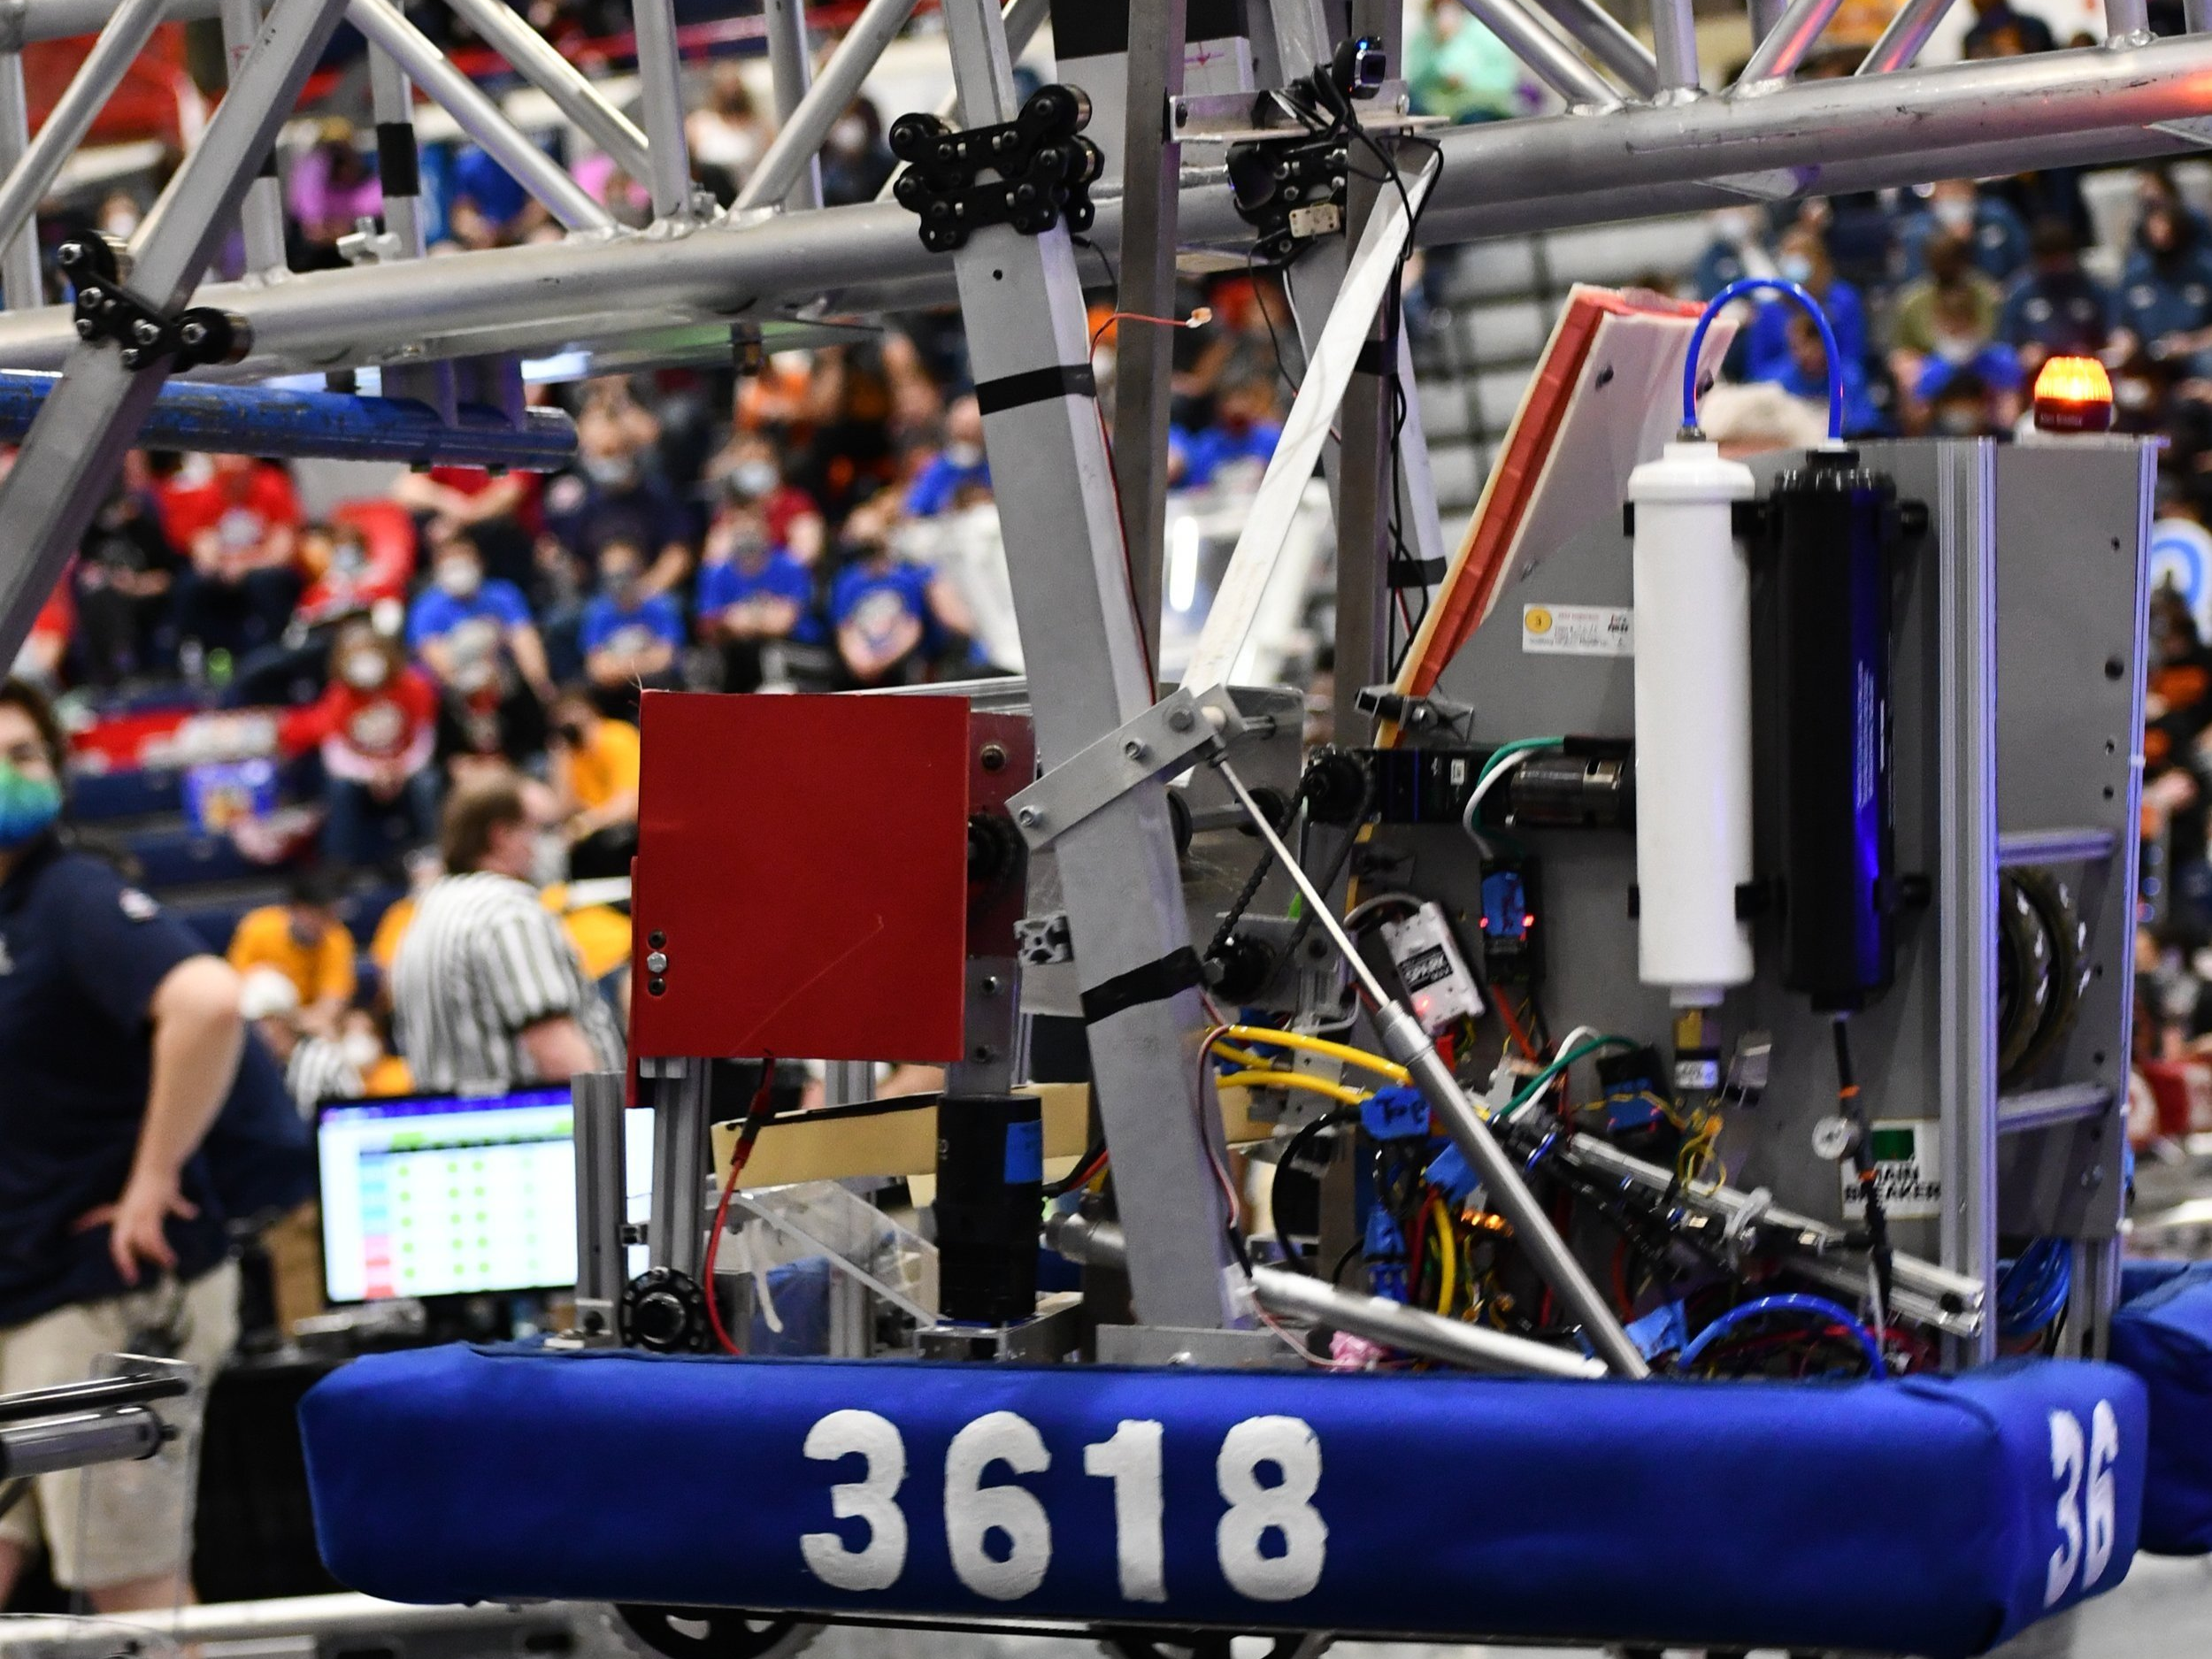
<point>1693,723</point>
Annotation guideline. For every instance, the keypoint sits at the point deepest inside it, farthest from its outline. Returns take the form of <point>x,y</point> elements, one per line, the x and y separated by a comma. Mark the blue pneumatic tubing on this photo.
<point>1788,290</point>
<point>1818,1305</point>
<point>333,425</point>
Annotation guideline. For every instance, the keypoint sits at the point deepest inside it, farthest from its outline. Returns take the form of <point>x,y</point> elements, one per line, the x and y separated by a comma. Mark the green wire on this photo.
<point>1506,750</point>
<point>1544,1078</point>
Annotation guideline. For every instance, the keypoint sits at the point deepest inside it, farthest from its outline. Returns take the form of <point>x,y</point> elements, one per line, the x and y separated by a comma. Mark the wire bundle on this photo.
<point>2033,1289</point>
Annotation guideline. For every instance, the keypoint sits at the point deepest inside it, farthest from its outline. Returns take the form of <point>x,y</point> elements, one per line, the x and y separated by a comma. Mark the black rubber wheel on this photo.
<point>2053,898</point>
<point>714,1633</point>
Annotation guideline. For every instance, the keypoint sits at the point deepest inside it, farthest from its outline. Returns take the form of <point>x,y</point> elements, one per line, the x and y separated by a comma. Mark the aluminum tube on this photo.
<point>1557,64</point>
<point>97,1393</point>
<point>1674,48</point>
<point>1764,14</point>
<point>392,102</point>
<point>1787,43</point>
<point>2196,16</point>
<point>801,136</point>
<point>661,87</point>
<point>261,216</point>
<point>2127,22</point>
<point>63,20</point>
<point>602,1198</point>
<point>790,72</point>
<point>1605,39</point>
<point>1297,1296</point>
<point>46,1445</point>
<point>21,277</point>
<point>97,78</point>
<point>477,115</point>
<point>1907,34</point>
<point>539,61</point>
<point>339,1614</point>
<point>1021,19</point>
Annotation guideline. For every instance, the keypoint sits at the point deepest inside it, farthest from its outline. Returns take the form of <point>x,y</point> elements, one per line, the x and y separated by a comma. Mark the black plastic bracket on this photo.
<point>108,310</point>
<point>1290,190</point>
<point>1041,166</point>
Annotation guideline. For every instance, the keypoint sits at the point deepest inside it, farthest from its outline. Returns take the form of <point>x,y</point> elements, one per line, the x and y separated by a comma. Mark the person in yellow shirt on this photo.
<point>304,939</point>
<point>595,776</point>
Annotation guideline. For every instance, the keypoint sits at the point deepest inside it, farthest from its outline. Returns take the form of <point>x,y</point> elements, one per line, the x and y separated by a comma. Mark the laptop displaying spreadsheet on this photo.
<point>447,1196</point>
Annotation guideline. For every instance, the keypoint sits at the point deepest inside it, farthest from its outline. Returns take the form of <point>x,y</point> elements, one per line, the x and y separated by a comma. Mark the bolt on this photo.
<point>85,330</point>
<point>990,985</point>
<point>985,1052</point>
<point>1180,720</point>
<point>2092,1178</point>
<point>1182,110</point>
<point>1135,749</point>
<point>1030,817</point>
<point>994,758</point>
<point>193,334</point>
<point>146,331</point>
<point>72,253</point>
<point>656,963</point>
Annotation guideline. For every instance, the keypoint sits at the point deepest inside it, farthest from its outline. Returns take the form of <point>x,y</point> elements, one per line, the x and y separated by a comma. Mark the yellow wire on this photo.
<point>1359,1057</point>
<point>1268,1077</point>
<point>1243,1057</point>
<point>1447,1278</point>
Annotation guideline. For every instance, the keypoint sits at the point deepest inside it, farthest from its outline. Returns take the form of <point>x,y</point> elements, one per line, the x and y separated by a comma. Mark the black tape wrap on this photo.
<point>1035,386</point>
<point>1155,982</point>
<point>397,168</point>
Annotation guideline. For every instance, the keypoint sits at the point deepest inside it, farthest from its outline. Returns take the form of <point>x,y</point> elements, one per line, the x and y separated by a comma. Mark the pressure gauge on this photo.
<point>1835,1139</point>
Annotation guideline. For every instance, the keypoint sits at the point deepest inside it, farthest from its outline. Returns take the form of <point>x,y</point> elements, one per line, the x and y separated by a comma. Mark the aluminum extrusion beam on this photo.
<point>1555,62</point>
<point>660,88</point>
<point>21,277</point>
<point>478,116</point>
<point>75,447</point>
<point>1786,44</point>
<point>839,82</point>
<point>540,62</point>
<point>1902,41</point>
<point>333,426</point>
<point>1604,36</point>
<point>790,72</point>
<point>97,78</point>
<point>261,217</point>
<point>1297,1296</point>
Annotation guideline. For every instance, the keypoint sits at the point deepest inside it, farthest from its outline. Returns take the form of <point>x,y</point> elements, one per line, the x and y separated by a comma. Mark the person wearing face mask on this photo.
<point>1241,436</point>
<point>960,466</point>
<point>488,990</point>
<point>630,637</point>
<point>616,489</point>
<point>1801,256</point>
<point>474,635</point>
<point>893,618</point>
<point>855,162</point>
<point>2166,290</point>
<point>1992,231</point>
<point>139,1122</point>
<point>595,768</point>
<point>239,519</point>
<point>1950,311</point>
<point>752,476</point>
<point>1737,250</point>
<point>126,571</point>
<point>2056,308</point>
<point>756,603</point>
<point>377,728</point>
<point>303,940</point>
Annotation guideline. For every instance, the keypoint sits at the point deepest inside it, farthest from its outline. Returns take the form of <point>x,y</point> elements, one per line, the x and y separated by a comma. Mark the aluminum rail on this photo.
<point>1297,1296</point>
<point>2078,107</point>
<point>1557,64</point>
<point>1022,19</point>
<point>1605,38</point>
<point>47,1446</point>
<point>478,116</point>
<point>21,275</point>
<point>299,1616</point>
<point>1902,41</point>
<point>98,1393</point>
<point>1786,45</point>
<point>28,182</point>
<point>661,88</point>
<point>540,62</point>
<point>261,217</point>
<point>63,20</point>
<point>834,90</point>
<point>790,72</point>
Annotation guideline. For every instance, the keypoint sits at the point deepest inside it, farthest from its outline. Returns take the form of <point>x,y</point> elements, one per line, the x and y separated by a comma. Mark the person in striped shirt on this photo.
<point>486,989</point>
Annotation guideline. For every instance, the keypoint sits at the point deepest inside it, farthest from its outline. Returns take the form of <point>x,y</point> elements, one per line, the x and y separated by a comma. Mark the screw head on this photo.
<point>1135,749</point>
<point>656,962</point>
<point>1029,817</point>
<point>146,331</point>
<point>1181,720</point>
<point>994,758</point>
<point>84,328</point>
<point>193,334</point>
<point>990,986</point>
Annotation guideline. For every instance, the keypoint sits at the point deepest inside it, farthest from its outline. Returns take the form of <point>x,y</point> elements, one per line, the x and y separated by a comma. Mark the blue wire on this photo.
<point>2033,1289</point>
<point>1794,1303</point>
<point>1788,290</point>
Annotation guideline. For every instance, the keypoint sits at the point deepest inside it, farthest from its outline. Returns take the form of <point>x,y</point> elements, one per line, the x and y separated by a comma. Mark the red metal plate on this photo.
<point>802,863</point>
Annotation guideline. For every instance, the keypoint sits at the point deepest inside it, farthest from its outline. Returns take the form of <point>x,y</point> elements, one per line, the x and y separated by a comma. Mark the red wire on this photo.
<point>1513,1027</point>
<point>741,1155</point>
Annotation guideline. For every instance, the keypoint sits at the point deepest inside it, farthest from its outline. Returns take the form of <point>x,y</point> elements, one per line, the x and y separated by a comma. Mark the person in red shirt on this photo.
<point>238,521</point>
<point>499,513</point>
<point>350,572</point>
<point>377,726</point>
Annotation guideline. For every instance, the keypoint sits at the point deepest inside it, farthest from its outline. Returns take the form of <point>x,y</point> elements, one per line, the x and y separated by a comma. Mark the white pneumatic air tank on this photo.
<point>1693,723</point>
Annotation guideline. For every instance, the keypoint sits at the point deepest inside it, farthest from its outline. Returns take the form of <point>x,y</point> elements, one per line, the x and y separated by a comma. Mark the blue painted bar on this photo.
<point>333,425</point>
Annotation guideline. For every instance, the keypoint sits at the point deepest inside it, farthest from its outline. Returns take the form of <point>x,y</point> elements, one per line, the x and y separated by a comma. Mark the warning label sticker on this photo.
<point>1578,630</point>
<point>1908,1170</point>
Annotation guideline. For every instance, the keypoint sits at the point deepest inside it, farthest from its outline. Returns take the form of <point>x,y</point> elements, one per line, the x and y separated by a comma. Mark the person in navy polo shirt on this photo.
<point>138,1124</point>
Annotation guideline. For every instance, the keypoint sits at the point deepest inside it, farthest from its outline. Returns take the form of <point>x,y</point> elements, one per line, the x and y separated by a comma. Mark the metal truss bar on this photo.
<point>2127,22</point>
<point>1144,353</point>
<point>1674,48</point>
<point>478,116</point>
<point>63,20</point>
<point>1023,302</point>
<point>28,180</point>
<point>790,72</point>
<point>1907,34</point>
<point>1786,45</point>
<point>1557,64</point>
<point>800,138</point>
<point>392,103</point>
<point>661,85</point>
<point>1764,15</point>
<point>1023,19</point>
<point>21,276</point>
<point>74,448</point>
<point>540,62</point>
<point>1605,38</point>
<point>262,217</point>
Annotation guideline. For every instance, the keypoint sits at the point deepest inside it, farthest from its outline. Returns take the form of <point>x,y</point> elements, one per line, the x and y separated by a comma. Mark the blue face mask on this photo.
<point>28,806</point>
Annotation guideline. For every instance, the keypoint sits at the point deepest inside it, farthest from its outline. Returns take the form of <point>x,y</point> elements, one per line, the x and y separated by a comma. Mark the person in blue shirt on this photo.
<point>1804,373</point>
<point>757,602</point>
<point>893,619</point>
<point>1993,231</point>
<point>1801,256</point>
<point>1734,252</point>
<point>2056,308</point>
<point>955,471</point>
<point>2166,290</point>
<point>1244,429</point>
<point>1972,386</point>
<point>139,1122</point>
<point>475,636</point>
<point>489,209</point>
<point>631,638</point>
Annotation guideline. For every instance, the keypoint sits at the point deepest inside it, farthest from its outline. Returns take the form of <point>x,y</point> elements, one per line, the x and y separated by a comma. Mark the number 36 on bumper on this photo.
<point>1271,1542</point>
